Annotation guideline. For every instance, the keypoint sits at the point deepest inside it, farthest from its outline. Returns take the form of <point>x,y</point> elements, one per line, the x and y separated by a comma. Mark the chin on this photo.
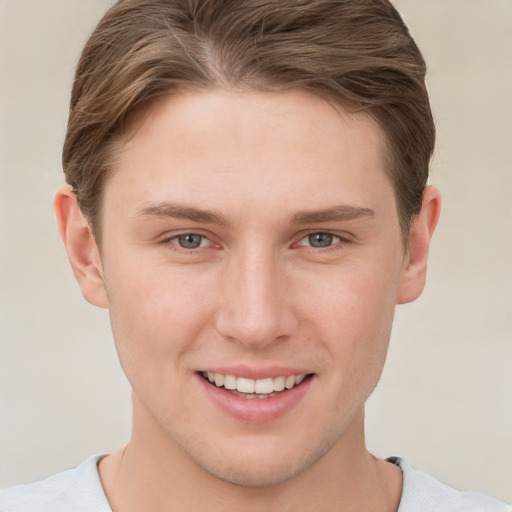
<point>260,475</point>
<point>261,467</point>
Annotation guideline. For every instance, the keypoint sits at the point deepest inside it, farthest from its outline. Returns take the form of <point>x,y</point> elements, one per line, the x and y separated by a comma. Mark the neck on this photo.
<point>151,473</point>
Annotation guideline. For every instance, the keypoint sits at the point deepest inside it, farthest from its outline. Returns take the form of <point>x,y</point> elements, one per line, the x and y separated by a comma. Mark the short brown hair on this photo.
<point>353,52</point>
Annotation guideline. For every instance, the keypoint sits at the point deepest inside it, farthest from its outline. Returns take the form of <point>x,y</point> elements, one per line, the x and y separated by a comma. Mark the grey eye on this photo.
<point>320,239</point>
<point>190,241</point>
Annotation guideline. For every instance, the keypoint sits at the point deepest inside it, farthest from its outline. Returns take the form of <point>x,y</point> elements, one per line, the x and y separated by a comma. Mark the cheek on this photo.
<point>357,299</point>
<point>156,316</point>
<point>353,315</point>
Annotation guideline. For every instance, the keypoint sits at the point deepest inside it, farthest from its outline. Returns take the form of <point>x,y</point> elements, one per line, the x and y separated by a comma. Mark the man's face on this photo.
<point>250,237</point>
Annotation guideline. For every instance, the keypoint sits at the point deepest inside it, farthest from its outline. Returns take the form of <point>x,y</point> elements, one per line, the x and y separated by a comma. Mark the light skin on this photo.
<point>255,235</point>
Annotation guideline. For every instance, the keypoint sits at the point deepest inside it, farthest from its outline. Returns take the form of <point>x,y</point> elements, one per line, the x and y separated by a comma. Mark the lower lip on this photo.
<point>256,410</point>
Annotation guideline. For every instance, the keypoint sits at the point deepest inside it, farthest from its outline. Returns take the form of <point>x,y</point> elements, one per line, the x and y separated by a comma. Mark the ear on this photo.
<point>81,247</point>
<point>415,265</point>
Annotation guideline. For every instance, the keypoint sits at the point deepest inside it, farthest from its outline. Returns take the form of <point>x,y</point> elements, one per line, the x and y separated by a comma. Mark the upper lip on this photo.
<point>255,373</point>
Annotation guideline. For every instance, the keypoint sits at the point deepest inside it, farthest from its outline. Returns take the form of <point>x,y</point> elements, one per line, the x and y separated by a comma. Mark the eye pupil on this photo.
<point>190,241</point>
<point>320,239</point>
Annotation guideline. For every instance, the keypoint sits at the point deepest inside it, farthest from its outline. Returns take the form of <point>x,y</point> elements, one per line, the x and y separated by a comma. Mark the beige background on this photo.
<point>445,400</point>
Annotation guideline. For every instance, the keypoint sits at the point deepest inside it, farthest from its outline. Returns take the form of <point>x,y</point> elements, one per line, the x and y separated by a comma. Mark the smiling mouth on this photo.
<point>254,388</point>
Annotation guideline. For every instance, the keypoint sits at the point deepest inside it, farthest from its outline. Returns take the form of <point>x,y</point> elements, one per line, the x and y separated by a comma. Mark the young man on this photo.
<point>246,193</point>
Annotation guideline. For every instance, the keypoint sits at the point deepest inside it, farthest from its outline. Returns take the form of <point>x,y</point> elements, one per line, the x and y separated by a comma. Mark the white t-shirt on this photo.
<point>80,490</point>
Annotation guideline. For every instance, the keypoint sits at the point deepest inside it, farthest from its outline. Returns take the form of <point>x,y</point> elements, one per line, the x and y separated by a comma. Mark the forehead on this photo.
<point>249,148</point>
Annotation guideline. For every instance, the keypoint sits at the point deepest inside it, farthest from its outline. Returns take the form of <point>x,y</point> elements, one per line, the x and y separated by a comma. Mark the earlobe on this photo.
<point>80,245</point>
<point>422,228</point>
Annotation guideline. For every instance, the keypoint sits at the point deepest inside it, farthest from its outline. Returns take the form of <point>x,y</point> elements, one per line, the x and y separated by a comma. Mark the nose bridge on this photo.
<point>253,311</point>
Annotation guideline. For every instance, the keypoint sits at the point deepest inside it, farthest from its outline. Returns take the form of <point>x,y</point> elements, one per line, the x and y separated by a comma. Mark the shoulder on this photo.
<point>77,489</point>
<point>423,493</point>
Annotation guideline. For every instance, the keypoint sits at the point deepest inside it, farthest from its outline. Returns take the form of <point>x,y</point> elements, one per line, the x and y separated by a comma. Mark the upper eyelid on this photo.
<point>185,233</point>
<point>175,234</point>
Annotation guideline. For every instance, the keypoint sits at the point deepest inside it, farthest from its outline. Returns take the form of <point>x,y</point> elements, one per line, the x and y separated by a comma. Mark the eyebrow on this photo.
<point>179,211</point>
<point>334,213</point>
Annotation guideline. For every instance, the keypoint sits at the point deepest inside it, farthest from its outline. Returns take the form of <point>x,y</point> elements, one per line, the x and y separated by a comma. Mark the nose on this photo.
<point>255,309</point>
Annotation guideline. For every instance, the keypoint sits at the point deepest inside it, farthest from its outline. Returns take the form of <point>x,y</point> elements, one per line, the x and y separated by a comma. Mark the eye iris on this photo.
<point>320,239</point>
<point>190,241</point>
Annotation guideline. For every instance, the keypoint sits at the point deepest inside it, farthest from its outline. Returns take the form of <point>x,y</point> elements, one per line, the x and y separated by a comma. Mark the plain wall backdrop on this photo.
<point>445,398</point>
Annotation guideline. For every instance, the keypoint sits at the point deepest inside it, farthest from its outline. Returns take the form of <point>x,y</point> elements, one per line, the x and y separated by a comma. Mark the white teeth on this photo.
<point>245,385</point>
<point>264,386</point>
<point>279,383</point>
<point>230,382</point>
<point>260,387</point>
<point>290,382</point>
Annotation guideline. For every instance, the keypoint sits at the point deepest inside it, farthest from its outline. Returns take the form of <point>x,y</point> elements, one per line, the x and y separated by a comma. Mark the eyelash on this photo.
<point>337,239</point>
<point>174,240</point>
